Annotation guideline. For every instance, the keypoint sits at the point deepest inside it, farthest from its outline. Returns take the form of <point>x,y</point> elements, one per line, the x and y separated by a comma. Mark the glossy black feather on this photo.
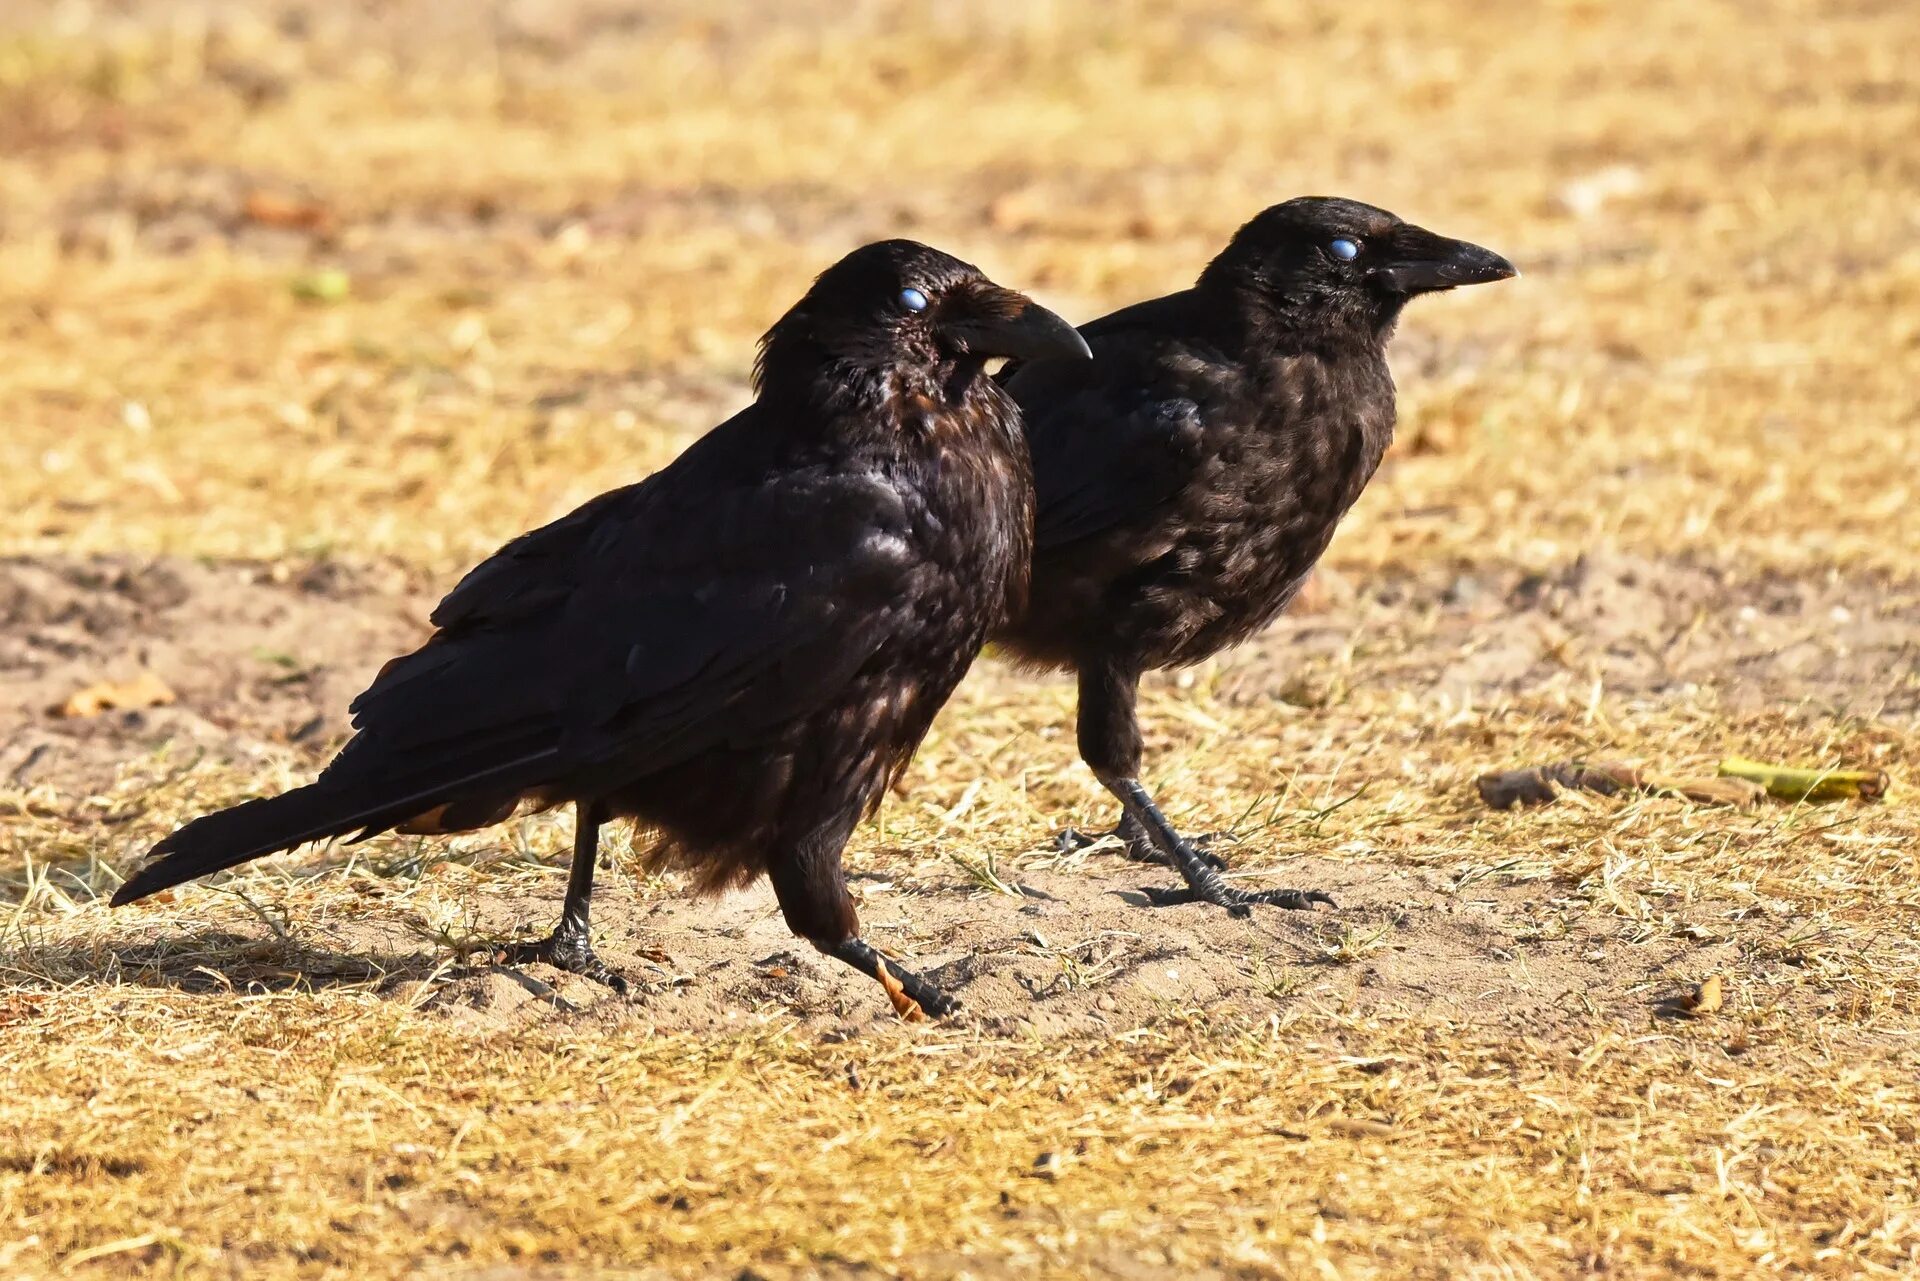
<point>740,651</point>
<point>1190,475</point>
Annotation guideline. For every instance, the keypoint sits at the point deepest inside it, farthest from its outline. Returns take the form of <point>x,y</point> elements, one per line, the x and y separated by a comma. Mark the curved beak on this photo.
<point>1419,262</point>
<point>992,321</point>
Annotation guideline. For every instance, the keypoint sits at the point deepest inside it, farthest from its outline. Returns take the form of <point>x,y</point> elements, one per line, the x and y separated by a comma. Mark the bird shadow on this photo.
<point>213,961</point>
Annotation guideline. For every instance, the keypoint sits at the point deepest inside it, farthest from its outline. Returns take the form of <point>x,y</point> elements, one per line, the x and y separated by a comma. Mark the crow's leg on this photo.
<point>913,997</point>
<point>1203,883</point>
<point>1135,844</point>
<point>812,889</point>
<point>1110,743</point>
<point>570,947</point>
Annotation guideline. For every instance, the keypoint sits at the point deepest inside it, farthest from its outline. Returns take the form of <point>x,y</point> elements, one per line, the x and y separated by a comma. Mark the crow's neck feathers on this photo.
<point>1306,346</point>
<point>874,388</point>
<point>1260,318</point>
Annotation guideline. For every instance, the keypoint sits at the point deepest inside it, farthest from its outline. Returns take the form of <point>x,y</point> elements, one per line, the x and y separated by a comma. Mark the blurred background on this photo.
<point>399,278</point>
<point>305,305</point>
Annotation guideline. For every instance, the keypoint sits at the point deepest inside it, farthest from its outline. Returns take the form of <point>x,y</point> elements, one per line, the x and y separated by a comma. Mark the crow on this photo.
<point>1190,475</point>
<point>740,652</point>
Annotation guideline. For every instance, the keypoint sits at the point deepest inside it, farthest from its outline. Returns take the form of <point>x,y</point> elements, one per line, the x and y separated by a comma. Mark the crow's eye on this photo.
<point>913,300</point>
<point>1345,250</point>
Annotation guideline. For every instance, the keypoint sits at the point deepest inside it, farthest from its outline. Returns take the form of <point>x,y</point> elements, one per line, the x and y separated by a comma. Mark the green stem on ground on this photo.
<point>1790,784</point>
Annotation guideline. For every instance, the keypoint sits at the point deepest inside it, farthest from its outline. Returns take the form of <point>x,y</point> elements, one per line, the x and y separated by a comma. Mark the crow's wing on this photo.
<point>1104,455</point>
<point>710,604</point>
<point>1112,438</point>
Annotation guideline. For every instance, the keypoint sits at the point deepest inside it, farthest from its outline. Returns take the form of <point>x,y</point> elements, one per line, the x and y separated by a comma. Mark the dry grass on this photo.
<point>562,241</point>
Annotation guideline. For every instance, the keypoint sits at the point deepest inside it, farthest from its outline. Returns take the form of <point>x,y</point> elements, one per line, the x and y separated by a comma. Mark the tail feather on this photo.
<point>319,811</point>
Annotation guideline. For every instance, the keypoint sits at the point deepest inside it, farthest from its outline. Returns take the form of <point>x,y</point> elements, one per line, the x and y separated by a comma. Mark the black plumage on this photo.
<point>1192,473</point>
<point>739,652</point>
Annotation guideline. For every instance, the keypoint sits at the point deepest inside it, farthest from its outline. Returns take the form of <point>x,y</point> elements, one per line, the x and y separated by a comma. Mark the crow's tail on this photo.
<point>322,810</point>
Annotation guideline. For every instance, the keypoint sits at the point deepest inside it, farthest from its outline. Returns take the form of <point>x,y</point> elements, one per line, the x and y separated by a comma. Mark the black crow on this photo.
<point>1191,474</point>
<point>739,652</point>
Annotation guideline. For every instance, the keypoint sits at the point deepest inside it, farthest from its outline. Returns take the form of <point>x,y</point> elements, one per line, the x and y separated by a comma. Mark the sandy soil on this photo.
<point>264,663</point>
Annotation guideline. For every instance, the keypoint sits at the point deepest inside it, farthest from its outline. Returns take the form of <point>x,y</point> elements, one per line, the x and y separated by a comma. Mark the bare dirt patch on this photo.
<point>521,253</point>
<point>1639,627</point>
<point>1091,957</point>
<point>257,658</point>
<point>264,662</point>
<point>265,657</point>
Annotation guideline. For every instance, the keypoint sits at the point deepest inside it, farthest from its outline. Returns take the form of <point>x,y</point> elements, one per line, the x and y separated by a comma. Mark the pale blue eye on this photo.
<point>913,300</point>
<point>1345,250</point>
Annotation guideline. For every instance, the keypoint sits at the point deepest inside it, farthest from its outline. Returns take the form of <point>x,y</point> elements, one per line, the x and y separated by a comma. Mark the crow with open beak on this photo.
<point>1191,474</point>
<point>741,651</point>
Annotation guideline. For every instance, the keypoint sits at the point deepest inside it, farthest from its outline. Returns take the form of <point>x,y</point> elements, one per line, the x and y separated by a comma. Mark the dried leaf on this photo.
<point>1355,1127</point>
<point>19,1009</point>
<point>270,209</point>
<point>144,690</point>
<point>1737,792</point>
<point>1706,997</point>
<point>1697,1001</point>
<point>1540,784</point>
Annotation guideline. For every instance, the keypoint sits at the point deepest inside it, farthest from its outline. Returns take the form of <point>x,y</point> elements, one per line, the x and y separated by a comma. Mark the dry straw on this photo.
<point>557,247</point>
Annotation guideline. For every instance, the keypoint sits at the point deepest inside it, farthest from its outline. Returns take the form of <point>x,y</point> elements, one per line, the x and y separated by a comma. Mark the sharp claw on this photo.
<point>1134,845</point>
<point>1069,840</point>
<point>1298,900</point>
<point>1240,903</point>
<point>569,954</point>
<point>1203,846</point>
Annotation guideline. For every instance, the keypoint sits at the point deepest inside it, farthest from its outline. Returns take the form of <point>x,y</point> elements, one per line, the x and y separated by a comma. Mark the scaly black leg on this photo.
<point>1109,733</point>
<point>1135,844</point>
<point>811,885</point>
<point>1203,883</point>
<point>570,946</point>
<point>913,997</point>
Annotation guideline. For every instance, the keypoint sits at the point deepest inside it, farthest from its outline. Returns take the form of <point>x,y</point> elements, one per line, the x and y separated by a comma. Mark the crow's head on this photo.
<point>1317,261</point>
<point>902,314</point>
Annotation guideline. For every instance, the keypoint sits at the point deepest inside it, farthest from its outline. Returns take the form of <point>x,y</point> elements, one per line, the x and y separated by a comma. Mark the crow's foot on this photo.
<point>569,950</point>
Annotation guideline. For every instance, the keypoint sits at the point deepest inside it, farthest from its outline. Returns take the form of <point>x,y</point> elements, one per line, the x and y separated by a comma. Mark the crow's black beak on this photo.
<point>1420,262</point>
<point>993,321</point>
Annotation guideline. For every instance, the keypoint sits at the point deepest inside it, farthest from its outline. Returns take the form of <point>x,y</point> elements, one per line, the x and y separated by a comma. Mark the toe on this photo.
<point>1296,900</point>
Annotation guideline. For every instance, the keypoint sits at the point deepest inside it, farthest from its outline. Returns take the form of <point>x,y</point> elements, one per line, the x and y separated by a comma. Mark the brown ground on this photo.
<point>264,662</point>
<point>306,306</point>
